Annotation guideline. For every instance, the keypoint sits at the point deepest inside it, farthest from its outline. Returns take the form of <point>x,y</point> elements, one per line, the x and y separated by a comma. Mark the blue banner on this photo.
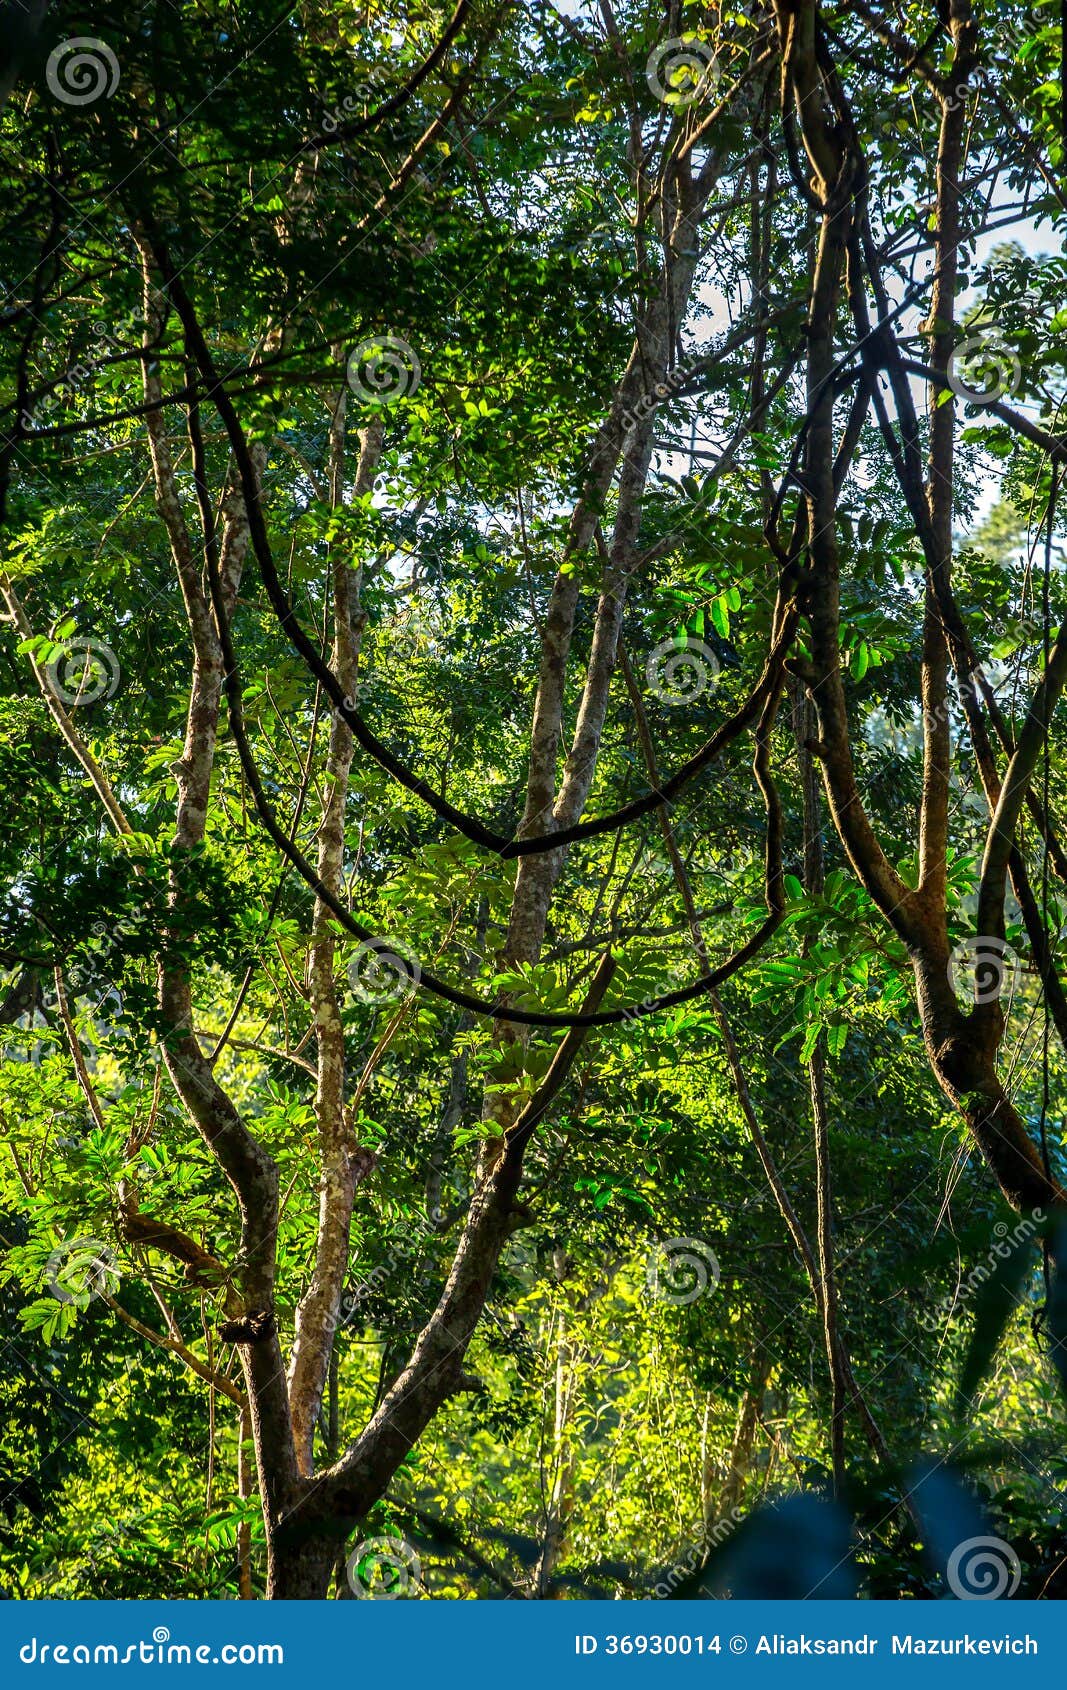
<point>526,1644</point>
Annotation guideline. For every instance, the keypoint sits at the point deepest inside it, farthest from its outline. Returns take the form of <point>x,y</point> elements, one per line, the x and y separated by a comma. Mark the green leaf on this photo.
<point>811,1039</point>
<point>1002,1274</point>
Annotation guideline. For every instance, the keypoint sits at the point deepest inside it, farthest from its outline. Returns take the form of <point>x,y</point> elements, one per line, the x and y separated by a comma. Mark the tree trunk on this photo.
<point>732,1490</point>
<point>300,1571</point>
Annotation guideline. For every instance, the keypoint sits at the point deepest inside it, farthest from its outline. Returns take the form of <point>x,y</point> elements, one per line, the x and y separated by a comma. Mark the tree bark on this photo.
<point>341,1161</point>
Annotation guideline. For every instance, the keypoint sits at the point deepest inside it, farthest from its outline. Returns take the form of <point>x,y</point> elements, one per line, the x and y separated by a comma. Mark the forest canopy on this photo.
<point>532,1014</point>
